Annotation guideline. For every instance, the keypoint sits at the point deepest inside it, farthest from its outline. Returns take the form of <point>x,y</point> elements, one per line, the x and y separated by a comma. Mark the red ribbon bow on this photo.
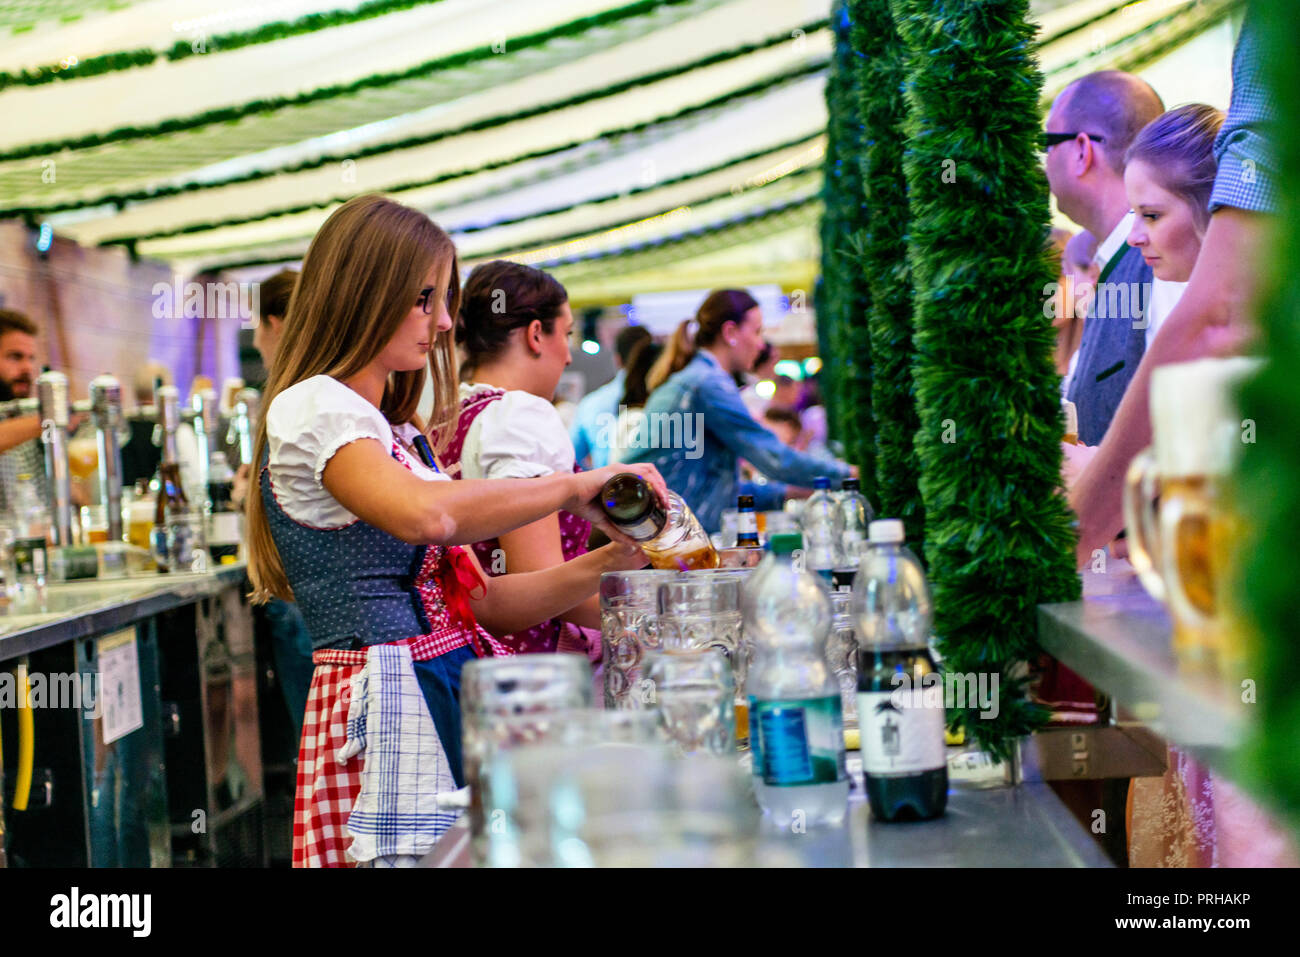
<point>459,579</point>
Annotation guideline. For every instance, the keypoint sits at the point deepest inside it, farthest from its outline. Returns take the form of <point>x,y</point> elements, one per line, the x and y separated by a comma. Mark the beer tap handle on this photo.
<point>52,394</point>
<point>106,413</point>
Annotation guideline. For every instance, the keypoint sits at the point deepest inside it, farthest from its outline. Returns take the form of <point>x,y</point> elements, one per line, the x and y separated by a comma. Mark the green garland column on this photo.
<point>884,263</point>
<point>999,539</point>
<point>1270,470</point>
<point>843,297</point>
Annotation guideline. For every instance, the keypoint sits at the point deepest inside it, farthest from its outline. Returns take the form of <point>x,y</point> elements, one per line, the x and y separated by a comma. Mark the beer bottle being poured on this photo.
<point>671,538</point>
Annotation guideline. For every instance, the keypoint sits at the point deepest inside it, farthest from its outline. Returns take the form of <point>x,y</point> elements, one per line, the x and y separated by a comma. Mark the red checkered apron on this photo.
<point>328,789</point>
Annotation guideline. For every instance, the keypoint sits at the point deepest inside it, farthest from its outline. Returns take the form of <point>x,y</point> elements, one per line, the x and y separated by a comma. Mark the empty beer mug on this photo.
<point>694,693</point>
<point>629,614</point>
<point>512,701</point>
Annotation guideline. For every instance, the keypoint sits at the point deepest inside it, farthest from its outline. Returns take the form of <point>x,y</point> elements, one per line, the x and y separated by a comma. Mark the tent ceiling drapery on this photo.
<point>40,32</point>
<point>624,143</point>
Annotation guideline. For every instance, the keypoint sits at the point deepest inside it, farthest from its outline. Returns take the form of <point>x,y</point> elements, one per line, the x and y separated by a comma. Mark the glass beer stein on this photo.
<point>1179,521</point>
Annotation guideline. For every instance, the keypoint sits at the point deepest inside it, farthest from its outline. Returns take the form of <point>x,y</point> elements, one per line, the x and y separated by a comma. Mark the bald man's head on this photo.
<point>1111,104</point>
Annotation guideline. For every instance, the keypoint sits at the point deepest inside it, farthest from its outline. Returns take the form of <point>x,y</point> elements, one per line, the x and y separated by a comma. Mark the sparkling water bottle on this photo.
<point>823,530</point>
<point>855,516</point>
<point>900,701</point>
<point>796,728</point>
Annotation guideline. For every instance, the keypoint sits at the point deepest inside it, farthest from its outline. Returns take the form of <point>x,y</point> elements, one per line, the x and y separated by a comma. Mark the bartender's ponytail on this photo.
<point>676,353</point>
<point>720,307</point>
<point>360,279</point>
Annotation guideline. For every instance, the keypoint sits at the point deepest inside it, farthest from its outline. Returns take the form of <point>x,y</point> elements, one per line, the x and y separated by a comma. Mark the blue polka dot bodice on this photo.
<point>356,585</point>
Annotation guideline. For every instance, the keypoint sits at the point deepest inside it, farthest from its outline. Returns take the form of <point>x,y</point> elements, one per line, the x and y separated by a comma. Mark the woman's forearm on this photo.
<point>474,510</point>
<point>516,602</point>
<point>365,480</point>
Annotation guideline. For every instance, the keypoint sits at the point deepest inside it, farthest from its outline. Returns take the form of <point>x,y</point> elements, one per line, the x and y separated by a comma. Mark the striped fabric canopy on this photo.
<point>622,143</point>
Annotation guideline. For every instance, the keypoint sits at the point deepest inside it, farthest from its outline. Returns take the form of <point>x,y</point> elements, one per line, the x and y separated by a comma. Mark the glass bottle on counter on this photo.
<point>748,551</point>
<point>746,523</point>
<point>225,523</point>
<point>901,713</point>
<point>796,728</point>
<point>31,525</point>
<point>671,538</point>
<point>173,538</point>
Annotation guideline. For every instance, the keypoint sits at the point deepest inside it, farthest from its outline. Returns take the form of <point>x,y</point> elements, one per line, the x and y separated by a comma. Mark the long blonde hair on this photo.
<point>360,278</point>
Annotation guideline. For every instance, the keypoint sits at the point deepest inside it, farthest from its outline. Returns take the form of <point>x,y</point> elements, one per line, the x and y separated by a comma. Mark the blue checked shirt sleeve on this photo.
<point>1245,146</point>
<point>731,423</point>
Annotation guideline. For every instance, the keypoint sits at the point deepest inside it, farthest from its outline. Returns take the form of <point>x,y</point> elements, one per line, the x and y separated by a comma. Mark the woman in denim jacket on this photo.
<point>697,426</point>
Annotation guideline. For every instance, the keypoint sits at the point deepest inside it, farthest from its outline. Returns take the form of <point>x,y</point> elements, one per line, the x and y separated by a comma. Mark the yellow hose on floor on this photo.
<point>26,742</point>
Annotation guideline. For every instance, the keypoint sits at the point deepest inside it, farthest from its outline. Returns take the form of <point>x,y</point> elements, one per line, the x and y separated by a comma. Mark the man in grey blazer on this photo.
<point>1089,129</point>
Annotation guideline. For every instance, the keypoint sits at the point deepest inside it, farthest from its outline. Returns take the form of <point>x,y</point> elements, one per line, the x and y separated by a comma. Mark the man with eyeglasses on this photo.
<point>1089,129</point>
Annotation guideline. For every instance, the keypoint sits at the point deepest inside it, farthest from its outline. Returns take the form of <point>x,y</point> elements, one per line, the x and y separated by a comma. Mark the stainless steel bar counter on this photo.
<point>141,737</point>
<point>1121,640</point>
<point>80,609</point>
<point>1021,826</point>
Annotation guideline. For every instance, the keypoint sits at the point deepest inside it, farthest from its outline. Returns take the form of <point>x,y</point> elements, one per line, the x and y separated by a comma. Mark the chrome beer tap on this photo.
<point>241,424</point>
<point>205,419</point>
<point>52,393</point>
<point>106,413</point>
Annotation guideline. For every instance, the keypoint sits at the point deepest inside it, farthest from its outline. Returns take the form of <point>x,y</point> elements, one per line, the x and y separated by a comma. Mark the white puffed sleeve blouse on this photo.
<point>305,425</point>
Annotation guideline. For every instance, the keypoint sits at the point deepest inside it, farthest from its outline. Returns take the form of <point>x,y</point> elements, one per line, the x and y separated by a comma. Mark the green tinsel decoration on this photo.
<point>999,539</point>
<point>844,299</point>
<point>91,66</point>
<point>828,341</point>
<point>281,29</point>
<point>1270,468</point>
<point>885,266</point>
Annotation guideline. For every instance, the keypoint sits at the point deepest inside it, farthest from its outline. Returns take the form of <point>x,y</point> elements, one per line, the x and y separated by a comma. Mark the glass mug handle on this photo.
<point>1140,484</point>
<point>1172,514</point>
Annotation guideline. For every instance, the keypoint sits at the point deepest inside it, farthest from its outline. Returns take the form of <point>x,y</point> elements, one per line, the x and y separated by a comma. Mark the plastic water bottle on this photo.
<point>796,727</point>
<point>823,530</point>
<point>855,517</point>
<point>900,701</point>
